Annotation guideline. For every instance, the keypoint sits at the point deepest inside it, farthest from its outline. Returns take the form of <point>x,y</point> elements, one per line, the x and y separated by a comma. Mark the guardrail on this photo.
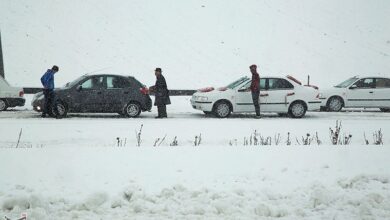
<point>174,92</point>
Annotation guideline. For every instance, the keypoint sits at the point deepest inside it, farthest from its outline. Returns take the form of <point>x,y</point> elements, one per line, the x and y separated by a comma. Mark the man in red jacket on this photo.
<point>255,89</point>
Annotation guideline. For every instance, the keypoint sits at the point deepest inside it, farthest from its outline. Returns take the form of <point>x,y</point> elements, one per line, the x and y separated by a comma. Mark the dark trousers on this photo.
<point>162,110</point>
<point>255,98</point>
<point>49,104</point>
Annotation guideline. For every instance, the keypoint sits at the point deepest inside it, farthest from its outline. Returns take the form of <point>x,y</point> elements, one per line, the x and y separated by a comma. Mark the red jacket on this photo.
<point>255,83</point>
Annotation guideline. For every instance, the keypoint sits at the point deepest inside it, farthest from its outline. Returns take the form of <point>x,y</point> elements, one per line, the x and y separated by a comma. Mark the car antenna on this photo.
<point>98,70</point>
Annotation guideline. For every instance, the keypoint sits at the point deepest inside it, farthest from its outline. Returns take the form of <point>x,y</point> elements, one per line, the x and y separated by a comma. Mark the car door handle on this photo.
<point>263,95</point>
<point>371,92</point>
<point>125,92</point>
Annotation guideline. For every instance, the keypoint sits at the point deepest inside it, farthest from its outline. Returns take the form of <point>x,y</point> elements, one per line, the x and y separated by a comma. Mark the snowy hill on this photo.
<point>197,42</point>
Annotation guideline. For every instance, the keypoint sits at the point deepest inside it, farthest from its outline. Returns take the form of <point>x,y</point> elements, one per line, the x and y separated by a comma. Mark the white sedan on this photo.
<point>283,95</point>
<point>358,92</point>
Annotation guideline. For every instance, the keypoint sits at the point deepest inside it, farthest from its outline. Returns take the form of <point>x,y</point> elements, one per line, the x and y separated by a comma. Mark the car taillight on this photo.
<point>144,90</point>
<point>21,93</point>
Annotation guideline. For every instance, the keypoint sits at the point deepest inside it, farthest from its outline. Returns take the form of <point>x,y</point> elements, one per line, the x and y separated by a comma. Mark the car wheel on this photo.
<point>335,104</point>
<point>222,109</point>
<point>385,109</point>
<point>62,110</point>
<point>3,105</point>
<point>132,110</point>
<point>297,110</point>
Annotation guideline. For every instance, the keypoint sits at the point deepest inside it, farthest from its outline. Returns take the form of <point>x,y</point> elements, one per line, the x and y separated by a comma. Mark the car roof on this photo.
<point>372,76</point>
<point>108,74</point>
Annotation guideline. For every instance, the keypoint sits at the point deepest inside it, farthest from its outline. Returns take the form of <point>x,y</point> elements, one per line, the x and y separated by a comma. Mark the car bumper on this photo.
<point>13,102</point>
<point>206,106</point>
<point>148,104</point>
<point>314,106</point>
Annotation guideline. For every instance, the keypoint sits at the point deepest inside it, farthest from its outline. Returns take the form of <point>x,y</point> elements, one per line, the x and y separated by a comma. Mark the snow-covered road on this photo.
<point>73,168</point>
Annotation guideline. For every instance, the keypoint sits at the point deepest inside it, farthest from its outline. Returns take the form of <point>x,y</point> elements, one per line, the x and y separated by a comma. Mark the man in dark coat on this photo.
<point>47,81</point>
<point>255,89</point>
<point>161,92</point>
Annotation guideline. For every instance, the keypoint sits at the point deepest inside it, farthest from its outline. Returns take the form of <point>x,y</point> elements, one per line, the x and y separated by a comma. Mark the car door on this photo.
<point>278,93</point>
<point>361,93</point>
<point>382,93</point>
<point>243,101</point>
<point>116,93</point>
<point>88,96</point>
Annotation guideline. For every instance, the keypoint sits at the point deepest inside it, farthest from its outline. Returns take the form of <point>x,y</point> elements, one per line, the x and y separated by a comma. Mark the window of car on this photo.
<point>114,82</point>
<point>365,83</point>
<point>382,83</point>
<point>246,86</point>
<point>278,83</point>
<point>263,84</point>
<point>96,82</point>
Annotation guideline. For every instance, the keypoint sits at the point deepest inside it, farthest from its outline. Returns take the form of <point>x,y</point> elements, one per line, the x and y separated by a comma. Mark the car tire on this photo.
<point>132,110</point>
<point>62,110</point>
<point>222,109</point>
<point>385,109</point>
<point>3,105</point>
<point>297,110</point>
<point>335,104</point>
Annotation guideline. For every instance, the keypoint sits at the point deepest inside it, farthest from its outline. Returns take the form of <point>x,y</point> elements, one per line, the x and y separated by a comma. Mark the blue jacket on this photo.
<point>47,79</point>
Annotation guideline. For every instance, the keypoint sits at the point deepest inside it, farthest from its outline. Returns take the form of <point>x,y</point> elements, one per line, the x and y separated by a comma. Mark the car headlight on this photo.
<point>321,96</point>
<point>200,98</point>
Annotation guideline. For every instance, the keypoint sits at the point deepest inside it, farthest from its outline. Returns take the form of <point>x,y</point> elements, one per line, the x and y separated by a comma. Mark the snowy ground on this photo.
<point>73,169</point>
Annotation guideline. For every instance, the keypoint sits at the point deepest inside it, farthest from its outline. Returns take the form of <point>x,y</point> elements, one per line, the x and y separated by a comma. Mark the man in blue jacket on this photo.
<point>47,81</point>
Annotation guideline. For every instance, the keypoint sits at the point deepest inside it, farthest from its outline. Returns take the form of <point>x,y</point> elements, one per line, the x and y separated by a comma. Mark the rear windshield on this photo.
<point>136,82</point>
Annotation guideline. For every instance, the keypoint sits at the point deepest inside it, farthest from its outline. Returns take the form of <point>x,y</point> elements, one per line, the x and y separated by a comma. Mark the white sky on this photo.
<point>197,43</point>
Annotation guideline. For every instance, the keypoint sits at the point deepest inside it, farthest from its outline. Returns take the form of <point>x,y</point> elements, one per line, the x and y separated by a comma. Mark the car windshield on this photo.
<point>347,82</point>
<point>74,82</point>
<point>237,82</point>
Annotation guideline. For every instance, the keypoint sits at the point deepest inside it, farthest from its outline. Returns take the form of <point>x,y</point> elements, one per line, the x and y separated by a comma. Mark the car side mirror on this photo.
<point>353,87</point>
<point>243,90</point>
<point>79,88</point>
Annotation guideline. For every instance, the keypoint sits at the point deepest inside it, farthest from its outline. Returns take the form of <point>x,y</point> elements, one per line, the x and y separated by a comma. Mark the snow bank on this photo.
<point>360,197</point>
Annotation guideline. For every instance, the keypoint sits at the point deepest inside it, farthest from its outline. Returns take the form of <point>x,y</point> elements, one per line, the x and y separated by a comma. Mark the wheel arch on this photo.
<point>298,100</point>
<point>64,103</point>
<point>335,96</point>
<point>223,100</point>
<point>133,102</point>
